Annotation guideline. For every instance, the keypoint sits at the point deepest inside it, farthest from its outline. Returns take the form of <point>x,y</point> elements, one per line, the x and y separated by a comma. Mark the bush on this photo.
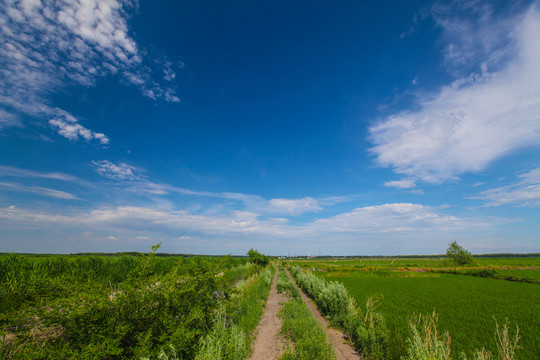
<point>458,255</point>
<point>256,257</point>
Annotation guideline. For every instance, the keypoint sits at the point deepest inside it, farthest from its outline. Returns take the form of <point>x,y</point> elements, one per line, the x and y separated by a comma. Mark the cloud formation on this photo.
<point>69,128</point>
<point>401,184</point>
<point>51,43</point>
<point>37,190</point>
<point>119,171</point>
<point>524,192</point>
<point>382,219</point>
<point>473,121</point>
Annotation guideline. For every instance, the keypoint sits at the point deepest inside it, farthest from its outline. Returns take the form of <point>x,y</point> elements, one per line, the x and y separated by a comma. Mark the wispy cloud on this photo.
<point>10,171</point>
<point>401,184</point>
<point>37,190</point>
<point>382,219</point>
<point>119,171</point>
<point>137,183</point>
<point>294,206</point>
<point>50,43</point>
<point>475,120</point>
<point>524,192</point>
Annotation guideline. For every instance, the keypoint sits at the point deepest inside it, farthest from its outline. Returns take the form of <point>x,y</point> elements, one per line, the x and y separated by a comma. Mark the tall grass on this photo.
<point>425,342</point>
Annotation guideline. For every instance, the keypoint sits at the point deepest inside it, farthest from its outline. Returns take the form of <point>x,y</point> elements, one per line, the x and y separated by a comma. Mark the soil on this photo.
<point>269,344</point>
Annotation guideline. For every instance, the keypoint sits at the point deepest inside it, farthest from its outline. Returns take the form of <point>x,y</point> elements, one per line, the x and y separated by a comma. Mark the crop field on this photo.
<point>467,306</point>
<point>129,307</point>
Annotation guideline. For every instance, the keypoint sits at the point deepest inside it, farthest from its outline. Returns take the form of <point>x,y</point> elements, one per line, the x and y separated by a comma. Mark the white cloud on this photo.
<point>38,190</point>
<point>524,192</point>
<point>49,44</point>
<point>472,122</point>
<point>401,184</point>
<point>381,219</point>
<point>10,171</point>
<point>120,171</point>
<point>69,128</point>
<point>294,206</point>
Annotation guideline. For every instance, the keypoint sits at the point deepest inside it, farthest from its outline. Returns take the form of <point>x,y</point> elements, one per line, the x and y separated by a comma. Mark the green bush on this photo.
<point>458,255</point>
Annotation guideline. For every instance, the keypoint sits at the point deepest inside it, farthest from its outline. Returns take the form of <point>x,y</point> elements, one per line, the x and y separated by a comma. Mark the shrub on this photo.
<point>458,255</point>
<point>256,257</point>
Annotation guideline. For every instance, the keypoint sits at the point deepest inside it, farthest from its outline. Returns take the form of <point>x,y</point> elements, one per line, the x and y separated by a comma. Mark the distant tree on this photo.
<point>458,255</point>
<point>256,257</point>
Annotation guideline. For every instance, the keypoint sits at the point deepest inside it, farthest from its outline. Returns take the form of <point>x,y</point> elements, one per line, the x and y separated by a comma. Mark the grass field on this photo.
<point>466,305</point>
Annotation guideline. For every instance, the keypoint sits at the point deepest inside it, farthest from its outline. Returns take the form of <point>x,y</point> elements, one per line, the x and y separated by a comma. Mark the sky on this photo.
<point>294,128</point>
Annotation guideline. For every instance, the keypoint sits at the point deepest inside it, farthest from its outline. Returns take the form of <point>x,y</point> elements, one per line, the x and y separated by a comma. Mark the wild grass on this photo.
<point>425,342</point>
<point>299,326</point>
<point>90,307</point>
<point>285,285</point>
<point>366,330</point>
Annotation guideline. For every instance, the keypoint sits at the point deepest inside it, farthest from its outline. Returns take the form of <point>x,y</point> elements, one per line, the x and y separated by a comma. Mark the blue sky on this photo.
<point>294,128</point>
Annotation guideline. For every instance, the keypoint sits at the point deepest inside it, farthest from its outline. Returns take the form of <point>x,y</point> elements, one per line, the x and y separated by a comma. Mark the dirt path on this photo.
<point>344,351</point>
<point>268,344</point>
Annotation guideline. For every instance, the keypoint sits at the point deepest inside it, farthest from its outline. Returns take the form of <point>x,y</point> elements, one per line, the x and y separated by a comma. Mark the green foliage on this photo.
<point>256,257</point>
<point>367,331</point>
<point>285,285</point>
<point>90,307</point>
<point>309,337</point>
<point>458,255</point>
<point>232,332</point>
<point>226,341</point>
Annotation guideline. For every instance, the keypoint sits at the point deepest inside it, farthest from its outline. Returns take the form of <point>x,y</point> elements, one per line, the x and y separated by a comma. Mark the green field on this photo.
<point>466,305</point>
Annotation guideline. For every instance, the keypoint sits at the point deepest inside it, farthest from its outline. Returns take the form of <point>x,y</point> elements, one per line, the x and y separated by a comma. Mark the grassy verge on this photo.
<point>366,329</point>
<point>299,326</point>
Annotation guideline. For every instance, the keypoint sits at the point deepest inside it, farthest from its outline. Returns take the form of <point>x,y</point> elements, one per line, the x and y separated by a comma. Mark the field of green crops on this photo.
<point>129,307</point>
<point>467,305</point>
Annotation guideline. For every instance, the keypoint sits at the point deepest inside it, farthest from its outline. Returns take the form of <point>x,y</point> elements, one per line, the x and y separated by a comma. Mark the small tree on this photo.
<point>458,255</point>
<point>256,257</point>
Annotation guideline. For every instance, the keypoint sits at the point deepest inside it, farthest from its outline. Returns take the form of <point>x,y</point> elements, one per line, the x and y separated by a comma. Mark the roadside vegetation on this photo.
<point>300,327</point>
<point>366,329</point>
<point>128,307</point>
<point>233,330</point>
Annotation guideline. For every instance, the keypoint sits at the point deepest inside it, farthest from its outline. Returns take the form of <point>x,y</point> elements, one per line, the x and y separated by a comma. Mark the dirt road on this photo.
<point>268,343</point>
